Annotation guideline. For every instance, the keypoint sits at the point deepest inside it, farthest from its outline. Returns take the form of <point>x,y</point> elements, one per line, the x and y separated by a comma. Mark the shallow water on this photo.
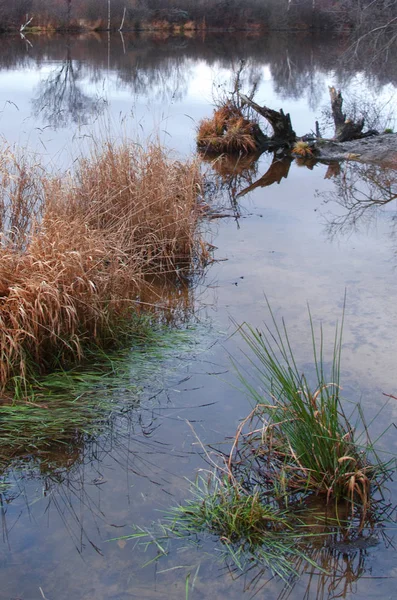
<point>285,241</point>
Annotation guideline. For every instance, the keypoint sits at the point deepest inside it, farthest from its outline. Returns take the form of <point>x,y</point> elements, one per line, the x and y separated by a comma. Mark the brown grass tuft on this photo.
<point>78,251</point>
<point>302,149</point>
<point>228,131</point>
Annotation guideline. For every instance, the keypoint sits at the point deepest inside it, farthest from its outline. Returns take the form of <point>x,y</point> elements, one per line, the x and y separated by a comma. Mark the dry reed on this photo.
<point>77,251</point>
<point>227,131</point>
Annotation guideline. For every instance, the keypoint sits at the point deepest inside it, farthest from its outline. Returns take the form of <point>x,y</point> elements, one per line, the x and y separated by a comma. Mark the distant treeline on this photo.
<point>180,15</point>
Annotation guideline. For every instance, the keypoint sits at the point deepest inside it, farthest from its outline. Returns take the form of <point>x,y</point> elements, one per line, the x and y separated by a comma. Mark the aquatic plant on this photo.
<point>298,484</point>
<point>55,415</point>
<point>78,251</point>
<point>245,529</point>
<point>298,437</point>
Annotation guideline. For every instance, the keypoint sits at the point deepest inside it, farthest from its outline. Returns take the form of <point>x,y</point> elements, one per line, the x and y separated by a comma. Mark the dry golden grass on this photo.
<point>302,149</point>
<point>21,195</point>
<point>86,247</point>
<point>226,132</point>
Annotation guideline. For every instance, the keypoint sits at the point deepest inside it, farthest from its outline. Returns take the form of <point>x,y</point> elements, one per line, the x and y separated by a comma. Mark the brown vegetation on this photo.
<point>302,150</point>
<point>77,251</point>
<point>227,131</point>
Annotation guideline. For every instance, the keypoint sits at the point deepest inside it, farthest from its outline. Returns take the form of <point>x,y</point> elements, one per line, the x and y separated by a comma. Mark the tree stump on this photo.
<point>345,129</point>
<point>279,121</point>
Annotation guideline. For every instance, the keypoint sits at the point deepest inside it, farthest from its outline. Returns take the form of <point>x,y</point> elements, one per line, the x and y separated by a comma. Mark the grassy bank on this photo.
<point>79,251</point>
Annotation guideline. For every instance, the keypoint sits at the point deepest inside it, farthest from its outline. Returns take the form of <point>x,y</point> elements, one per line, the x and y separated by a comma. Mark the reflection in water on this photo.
<point>342,552</point>
<point>61,99</point>
<point>71,476</point>
<point>67,479</point>
<point>236,176</point>
<point>278,170</point>
<point>231,174</point>
<point>337,545</point>
<point>361,191</point>
<point>79,485</point>
<point>160,66</point>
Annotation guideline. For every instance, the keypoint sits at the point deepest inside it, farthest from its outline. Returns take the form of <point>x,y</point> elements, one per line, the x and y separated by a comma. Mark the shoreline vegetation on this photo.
<point>85,254</point>
<point>189,15</point>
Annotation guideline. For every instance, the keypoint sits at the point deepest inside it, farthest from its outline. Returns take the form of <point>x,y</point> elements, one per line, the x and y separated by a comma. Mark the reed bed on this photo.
<point>78,250</point>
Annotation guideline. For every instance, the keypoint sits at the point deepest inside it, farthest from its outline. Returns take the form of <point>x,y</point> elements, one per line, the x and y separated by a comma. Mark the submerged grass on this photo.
<point>78,251</point>
<point>245,530</point>
<point>61,411</point>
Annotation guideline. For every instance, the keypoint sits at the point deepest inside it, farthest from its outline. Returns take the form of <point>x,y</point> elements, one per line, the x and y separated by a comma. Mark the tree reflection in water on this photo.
<point>61,100</point>
<point>362,191</point>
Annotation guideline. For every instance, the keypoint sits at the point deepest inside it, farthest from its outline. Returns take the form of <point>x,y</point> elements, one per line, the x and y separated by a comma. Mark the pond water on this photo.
<point>301,240</point>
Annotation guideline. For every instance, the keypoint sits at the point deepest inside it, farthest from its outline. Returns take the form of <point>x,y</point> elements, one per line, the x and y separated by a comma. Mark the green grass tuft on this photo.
<point>245,530</point>
<point>302,437</point>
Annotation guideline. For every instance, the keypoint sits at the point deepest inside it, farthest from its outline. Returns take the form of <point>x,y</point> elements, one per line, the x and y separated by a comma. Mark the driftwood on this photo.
<point>378,149</point>
<point>345,129</point>
<point>283,134</point>
<point>349,141</point>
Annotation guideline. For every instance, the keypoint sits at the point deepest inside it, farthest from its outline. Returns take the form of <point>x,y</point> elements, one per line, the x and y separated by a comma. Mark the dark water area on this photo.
<point>315,232</point>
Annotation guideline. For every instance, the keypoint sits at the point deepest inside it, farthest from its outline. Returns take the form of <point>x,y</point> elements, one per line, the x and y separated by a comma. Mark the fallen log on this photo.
<point>280,122</point>
<point>349,141</point>
<point>232,131</point>
<point>378,149</point>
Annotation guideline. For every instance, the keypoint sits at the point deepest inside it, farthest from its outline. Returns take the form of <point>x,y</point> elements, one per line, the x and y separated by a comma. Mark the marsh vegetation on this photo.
<point>301,450</point>
<point>96,438</point>
<point>78,251</point>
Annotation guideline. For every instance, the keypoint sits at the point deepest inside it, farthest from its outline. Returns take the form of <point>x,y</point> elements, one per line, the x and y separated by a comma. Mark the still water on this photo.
<point>301,240</point>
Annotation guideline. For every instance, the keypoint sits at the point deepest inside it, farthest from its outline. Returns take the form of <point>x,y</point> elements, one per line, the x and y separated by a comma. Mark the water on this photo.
<point>287,242</point>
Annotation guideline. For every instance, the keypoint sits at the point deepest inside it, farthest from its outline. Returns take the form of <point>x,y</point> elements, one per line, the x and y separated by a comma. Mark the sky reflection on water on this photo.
<point>55,529</point>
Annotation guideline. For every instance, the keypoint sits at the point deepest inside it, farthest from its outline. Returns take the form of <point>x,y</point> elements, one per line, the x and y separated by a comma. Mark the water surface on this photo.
<point>285,240</point>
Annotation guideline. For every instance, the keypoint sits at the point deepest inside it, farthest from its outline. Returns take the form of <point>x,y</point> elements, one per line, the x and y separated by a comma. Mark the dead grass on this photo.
<point>228,131</point>
<point>302,150</point>
<point>77,251</point>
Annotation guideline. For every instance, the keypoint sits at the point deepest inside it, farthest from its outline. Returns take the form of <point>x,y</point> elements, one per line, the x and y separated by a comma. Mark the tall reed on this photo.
<point>78,250</point>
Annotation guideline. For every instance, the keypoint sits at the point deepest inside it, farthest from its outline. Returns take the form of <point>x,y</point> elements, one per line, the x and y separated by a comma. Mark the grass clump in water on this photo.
<point>298,433</point>
<point>298,483</point>
<point>227,131</point>
<point>79,251</point>
<point>245,529</point>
